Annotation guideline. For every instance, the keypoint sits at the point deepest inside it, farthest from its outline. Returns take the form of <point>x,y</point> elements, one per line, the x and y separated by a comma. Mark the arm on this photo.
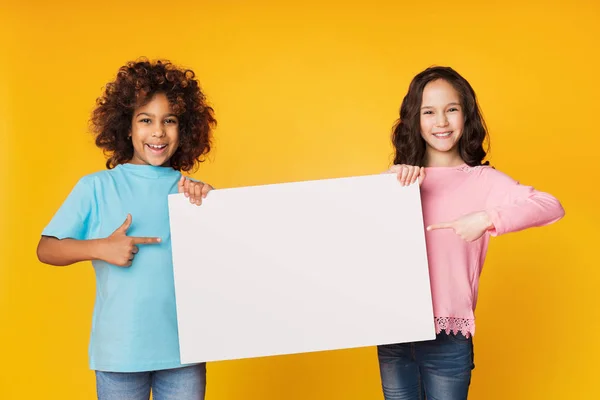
<point>63,240</point>
<point>117,249</point>
<point>64,252</point>
<point>510,207</point>
<point>513,207</point>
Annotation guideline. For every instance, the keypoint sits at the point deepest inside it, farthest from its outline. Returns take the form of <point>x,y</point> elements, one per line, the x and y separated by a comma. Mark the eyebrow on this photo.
<point>152,115</point>
<point>449,104</point>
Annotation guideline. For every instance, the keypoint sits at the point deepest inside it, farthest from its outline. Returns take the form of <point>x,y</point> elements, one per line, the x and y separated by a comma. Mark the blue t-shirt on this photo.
<point>134,325</point>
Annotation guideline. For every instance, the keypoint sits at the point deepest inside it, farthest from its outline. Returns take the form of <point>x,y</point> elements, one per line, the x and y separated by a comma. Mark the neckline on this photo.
<point>462,166</point>
<point>148,171</point>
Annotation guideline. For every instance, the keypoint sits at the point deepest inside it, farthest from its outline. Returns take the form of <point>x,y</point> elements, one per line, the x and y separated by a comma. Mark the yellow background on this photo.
<point>306,90</point>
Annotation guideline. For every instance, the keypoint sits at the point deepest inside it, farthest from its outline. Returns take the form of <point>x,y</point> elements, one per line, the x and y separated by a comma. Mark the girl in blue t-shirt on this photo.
<point>153,122</point>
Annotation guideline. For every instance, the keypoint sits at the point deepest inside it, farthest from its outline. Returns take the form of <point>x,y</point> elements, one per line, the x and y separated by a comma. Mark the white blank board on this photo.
<point>300,267</point>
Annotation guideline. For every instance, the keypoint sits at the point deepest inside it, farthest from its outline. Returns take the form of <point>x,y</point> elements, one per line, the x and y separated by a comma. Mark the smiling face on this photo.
<point>442,122</point>
<point>154,132</point>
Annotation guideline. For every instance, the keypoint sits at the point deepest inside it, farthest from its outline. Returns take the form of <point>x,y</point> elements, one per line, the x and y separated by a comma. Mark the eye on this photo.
<point>427,112</point>
<point>145,120</point>
<point>170,121</point>
<point>453,109</point>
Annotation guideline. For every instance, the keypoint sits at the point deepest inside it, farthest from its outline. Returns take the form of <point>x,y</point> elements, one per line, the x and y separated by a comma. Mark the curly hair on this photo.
<point>135,85</point>
<point>406,137</point>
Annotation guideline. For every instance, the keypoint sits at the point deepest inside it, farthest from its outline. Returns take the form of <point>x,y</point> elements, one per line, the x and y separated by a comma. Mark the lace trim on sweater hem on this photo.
<point>455,325</point>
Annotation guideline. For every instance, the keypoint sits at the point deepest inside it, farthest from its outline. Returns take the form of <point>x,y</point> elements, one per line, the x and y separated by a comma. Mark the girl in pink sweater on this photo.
<point>439,140</point>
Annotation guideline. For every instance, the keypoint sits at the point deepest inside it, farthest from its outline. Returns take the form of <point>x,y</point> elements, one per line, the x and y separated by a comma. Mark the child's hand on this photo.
<point>408,174</point>
<point>196,191</point>
<point>469,227</point>
<point>119,249</point>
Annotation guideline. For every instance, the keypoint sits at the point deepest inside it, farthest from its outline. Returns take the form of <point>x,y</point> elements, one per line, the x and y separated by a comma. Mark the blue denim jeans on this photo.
<point>186,383</point>
<point>438,369</point>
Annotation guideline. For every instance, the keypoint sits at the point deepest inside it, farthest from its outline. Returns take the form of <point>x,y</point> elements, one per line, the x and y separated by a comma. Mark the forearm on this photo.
<point>539,209</point>
<point>62,252</point>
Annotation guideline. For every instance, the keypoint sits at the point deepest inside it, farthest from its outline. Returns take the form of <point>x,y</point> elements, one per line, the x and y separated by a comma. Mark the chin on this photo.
<point>156,163</point>
<point>445,149</point>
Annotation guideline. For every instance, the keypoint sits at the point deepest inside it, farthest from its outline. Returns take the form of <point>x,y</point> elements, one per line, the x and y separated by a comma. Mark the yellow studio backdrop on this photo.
<point>307,90</point>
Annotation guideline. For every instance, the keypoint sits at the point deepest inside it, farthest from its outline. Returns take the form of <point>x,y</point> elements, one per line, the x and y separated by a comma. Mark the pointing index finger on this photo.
<point>146,240</point>
<point>444,225</point>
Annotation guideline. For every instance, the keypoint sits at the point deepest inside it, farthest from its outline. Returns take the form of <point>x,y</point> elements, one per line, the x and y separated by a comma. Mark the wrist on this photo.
<point>487,221</point>
<point>95,249</point>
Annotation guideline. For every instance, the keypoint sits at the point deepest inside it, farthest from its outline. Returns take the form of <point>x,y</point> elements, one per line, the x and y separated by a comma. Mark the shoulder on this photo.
<point>495,176</point>
<point>96,177</point>
<point>96,180</point>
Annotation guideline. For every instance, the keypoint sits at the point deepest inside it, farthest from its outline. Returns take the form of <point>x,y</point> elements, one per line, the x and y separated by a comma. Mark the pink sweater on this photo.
<point>454,264</point>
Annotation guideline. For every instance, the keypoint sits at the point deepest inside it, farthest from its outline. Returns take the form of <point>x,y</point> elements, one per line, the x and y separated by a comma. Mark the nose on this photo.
<point>441,120</point>
<point>159,131</point>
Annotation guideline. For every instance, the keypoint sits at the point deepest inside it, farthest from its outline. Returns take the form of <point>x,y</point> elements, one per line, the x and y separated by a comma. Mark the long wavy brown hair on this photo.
<point>136,84</point>
<point>406,137</point>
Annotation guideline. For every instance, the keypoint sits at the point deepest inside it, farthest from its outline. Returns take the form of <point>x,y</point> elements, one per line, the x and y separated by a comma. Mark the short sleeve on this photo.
<point>72,218</point>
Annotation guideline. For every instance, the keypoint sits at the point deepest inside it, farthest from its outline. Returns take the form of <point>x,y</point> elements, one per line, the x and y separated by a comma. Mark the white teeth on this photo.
<point>157,147</point>
<point>445,134</point>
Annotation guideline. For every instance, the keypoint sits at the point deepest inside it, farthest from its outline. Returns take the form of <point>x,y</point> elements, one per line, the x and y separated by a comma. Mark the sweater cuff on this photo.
<point>498,228</point>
